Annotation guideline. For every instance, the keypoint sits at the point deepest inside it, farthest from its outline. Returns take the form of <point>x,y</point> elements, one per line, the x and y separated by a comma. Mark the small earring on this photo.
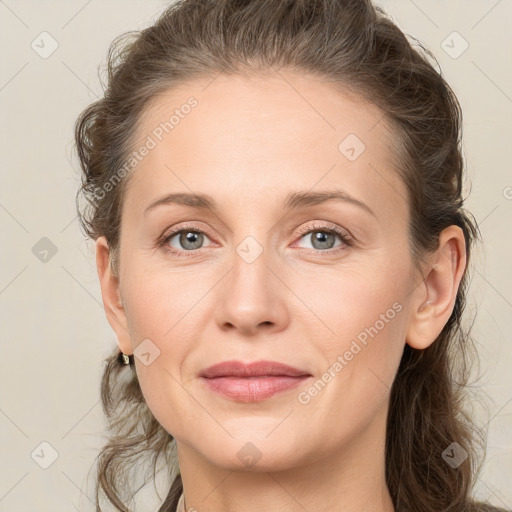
<point>125,358</point>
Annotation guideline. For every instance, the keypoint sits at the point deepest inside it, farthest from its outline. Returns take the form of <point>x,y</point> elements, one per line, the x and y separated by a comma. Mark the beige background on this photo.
<point>54,333</point>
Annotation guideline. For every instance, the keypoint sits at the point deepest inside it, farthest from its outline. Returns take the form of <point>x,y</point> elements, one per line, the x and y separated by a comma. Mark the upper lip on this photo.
<point>254,369</point>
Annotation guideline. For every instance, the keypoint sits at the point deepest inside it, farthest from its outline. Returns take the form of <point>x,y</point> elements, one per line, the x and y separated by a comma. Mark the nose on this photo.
<point>252,297</point>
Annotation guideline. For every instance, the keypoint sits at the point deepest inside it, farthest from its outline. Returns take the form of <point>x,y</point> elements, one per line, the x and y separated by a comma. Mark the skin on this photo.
<point>249,143</point>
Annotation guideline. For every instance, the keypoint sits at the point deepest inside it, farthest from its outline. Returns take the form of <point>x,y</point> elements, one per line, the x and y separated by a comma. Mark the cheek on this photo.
<point>341,304</point>
<point>361,364</point>
<point>156,302</point>
<point>360,324</point>
<point>163,307</point>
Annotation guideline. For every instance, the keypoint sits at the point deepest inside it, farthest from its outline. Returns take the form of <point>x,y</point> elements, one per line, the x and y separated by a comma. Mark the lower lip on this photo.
<point>253,389</point>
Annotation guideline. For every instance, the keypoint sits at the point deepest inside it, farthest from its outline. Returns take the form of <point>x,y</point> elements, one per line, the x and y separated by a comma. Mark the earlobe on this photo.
<point>434,301</point>
<point>110,291</point>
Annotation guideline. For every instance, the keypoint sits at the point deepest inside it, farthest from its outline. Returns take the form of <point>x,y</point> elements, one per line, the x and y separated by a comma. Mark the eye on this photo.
<point>187,238</point>
<point>323,237</point>
<point>190,238</point>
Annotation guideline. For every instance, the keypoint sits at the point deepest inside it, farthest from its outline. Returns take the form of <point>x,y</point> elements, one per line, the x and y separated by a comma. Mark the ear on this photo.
<point>111,294</point>
<point>435,298</point>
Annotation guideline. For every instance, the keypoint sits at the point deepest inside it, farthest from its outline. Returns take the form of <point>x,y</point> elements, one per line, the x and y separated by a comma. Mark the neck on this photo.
<point>350,479</point>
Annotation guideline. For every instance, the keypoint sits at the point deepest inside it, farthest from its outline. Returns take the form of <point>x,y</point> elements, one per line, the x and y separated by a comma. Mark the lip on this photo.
<point>252,382</point>
<point>254,369</point>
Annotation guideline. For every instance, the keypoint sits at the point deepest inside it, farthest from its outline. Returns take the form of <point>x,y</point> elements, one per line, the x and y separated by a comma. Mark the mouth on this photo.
<point>252,382</point>
<point>255,369</point>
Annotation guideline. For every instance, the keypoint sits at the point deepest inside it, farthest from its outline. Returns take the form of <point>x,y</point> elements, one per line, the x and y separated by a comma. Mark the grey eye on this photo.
<point>188,240</point>
<point>322,239</point>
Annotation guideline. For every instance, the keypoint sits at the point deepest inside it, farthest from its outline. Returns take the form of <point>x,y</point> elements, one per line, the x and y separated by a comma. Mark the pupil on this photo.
<point>190,237</point>
<point>321,237</point>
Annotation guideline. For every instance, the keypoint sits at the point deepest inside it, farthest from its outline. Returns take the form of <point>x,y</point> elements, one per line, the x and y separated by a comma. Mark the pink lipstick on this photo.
<point>252,382</point>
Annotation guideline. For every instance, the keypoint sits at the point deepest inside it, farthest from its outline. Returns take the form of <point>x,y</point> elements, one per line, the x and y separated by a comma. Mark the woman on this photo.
<point>274,188</point>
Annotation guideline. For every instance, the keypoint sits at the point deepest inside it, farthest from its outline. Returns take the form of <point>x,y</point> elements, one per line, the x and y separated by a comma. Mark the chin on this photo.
<point>254,456</point>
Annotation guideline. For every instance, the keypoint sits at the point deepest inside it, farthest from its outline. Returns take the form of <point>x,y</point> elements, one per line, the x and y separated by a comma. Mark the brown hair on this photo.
<point>354,45</point>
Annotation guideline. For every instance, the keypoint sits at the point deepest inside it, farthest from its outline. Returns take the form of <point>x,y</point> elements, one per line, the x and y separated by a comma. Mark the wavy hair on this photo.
<point>356,46</point>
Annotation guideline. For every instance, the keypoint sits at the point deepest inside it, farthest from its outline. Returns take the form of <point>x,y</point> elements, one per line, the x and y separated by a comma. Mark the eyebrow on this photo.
<point>293,201</point>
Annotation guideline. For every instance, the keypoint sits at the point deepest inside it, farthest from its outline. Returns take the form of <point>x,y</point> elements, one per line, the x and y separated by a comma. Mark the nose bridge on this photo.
<point>250,296</point>
<point>254,245</point>
<point>250,265</point>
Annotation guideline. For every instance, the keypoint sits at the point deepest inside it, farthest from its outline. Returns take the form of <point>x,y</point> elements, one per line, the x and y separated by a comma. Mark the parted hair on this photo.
<point>356,46</point>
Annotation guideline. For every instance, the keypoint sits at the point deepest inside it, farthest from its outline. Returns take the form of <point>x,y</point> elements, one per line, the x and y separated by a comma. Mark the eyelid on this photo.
<point>325,226</point>
<point>346,238</point>
<point>187,226</point>
<point>322,226</point>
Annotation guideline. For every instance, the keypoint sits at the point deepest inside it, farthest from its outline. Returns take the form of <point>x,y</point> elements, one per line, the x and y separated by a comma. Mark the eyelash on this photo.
<point>334,230</point>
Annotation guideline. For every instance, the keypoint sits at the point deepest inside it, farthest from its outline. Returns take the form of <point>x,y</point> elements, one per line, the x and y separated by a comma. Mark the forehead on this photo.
<point>263,133</point>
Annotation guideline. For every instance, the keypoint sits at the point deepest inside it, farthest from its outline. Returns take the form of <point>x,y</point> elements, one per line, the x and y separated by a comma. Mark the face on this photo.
<point>268,270</point>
